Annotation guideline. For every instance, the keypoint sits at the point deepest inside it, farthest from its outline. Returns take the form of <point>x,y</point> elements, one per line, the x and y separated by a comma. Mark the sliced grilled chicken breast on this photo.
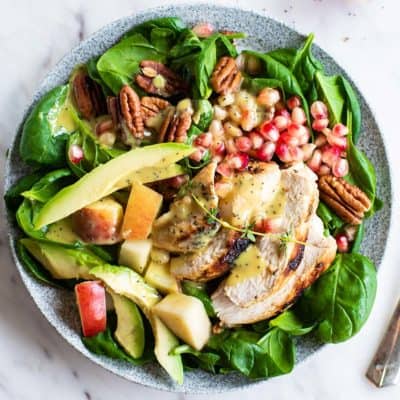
<point>319,253</point>
<point>185,227</point>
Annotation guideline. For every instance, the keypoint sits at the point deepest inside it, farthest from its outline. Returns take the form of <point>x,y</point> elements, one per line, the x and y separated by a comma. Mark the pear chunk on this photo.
<point>186,317</point>
<point>135,254</point>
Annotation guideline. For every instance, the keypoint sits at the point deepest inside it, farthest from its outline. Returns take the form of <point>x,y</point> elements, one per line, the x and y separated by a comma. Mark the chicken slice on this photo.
<point>185,227</point>
<point>319,253</point>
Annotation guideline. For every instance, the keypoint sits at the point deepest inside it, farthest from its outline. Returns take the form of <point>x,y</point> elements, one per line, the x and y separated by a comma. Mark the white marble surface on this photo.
<point>35,363</point>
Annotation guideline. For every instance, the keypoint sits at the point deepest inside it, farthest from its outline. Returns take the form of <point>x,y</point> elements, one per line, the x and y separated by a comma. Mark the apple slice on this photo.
<point>91,300</point>
<point>141,211</point>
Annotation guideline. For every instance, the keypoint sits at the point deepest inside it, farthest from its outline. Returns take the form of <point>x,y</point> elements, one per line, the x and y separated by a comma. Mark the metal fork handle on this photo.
<point>384,369</point>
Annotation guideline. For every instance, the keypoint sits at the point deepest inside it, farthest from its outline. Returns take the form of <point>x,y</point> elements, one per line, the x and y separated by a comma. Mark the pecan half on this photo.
<point>175,126</point>
<point>348,201</point>
<point>129,103</point>
<point>156,78</point>
<point>113,109</point>
<point>151,106</point>
<point>226,77</point>
<point>88,95</point>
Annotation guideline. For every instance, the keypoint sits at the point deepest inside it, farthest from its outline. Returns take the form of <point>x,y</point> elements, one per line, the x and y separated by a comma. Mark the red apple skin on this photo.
<point>91,300</point>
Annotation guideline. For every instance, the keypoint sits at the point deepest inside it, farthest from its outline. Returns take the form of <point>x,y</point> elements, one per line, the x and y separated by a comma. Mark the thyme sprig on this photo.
<point>247,232</point>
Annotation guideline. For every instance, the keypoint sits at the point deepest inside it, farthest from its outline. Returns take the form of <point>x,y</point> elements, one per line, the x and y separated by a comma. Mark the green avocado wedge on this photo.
<point>62,262</point>
<point>130,330</point>
<point>109,177</point>
<point>128,283</point>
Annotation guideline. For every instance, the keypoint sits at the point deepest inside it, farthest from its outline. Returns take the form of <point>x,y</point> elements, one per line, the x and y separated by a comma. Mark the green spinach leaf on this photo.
<point>196,289</point>
<point>290,323</point>
<point>353,106</point>
<point>198,359</point>
<point>355,248</point>
<point>44,134</point>
<point>332,223</point>
<point>340,301</point>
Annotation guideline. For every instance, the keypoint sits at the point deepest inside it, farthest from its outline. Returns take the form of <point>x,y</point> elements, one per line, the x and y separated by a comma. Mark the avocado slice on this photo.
<point>130,284</point>
<point>109,177</point>
<point>62,262</point>
<point>130,329</point>
<point>62,232</point>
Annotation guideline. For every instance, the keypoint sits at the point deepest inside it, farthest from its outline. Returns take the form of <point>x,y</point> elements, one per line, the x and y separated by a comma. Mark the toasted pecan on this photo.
<point>348,201</point>
<point>151,106</point>
<point>131,111</point>
<point>175,126</point>
<point>226,77</point>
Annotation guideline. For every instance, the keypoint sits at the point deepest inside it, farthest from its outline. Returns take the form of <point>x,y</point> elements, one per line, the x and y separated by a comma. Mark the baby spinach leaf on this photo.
<point>290,323</point>
<point>353,107</point>
<point>203,114</point>
<point>332,223</point>
<point>196,289</point>
<point>355,248</point>
<point>91,67</point>
<point>45,133</point>
<point>340,301</point>
<point>173,24</point>
<point>285,56</point>
<point>197,359</point>
<point>118,65</point>
<point>331,91</point>
<point>13,196</point>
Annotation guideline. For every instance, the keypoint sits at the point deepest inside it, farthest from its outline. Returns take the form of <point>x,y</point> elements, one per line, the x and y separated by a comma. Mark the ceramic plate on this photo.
<point>264,34</point>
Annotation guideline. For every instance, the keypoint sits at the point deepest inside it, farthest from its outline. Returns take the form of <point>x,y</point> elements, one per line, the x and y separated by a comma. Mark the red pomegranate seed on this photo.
<point>238,161</point>
<point>224,169</point>
<point>320,140</point>
<point>319,110</point>
<point>288,139</point>
<point>282,151</point>
<point>230,146</point>
<point>340,167</point>
<point>269,225</point>
<point>256,140</point>
<point>266,151</point>
<point>243,144</point>
<point>268,97</point>
<point>198,154</point>
<point>340,130</point>
<point>296,154</point>
<point>177,181</point>
<point>320,124</point>
<point>269,131</point>
<point>75,154</point>
<point>314,163</point>
<point>204,140</point>
<point>342,243</point>
<point>283,113</point>
<point>304,138</point>
<point>330,154</point>
<point>297,130</point>
<point>281,122</point>
<point>218,148</point>
<point>299,116</point>
<point>293,102</point>
<point>308,150</point>
<point>339,141</point>
<point>324,170</point>
<point>203,29</point>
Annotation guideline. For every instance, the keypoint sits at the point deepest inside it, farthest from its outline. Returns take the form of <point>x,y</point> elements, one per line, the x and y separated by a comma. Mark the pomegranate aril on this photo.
<point>297,130</point>
<point>288,139</point>
<point>283,113</point>
<point>75,154</point>
<point>268,97</point>
<point>298,116</point>
<point>340,167</point>
<point>230,146</point>
<point>198,154</point>
<point>238,161</point>
<point>340,141</point>
<point>304,138</point>
<point>330,154</point>
<point>282,151</point>
<point>224,169</point>
<point>256,140</point>
<point>177,181</point>
<point>269,131</point>
<point>204,140</point>
<point>320,140</point>
<point>342,243</point>
<point>203,29</point>
<point>340,130</point>
<point>266,151</point>
<point>269,225</point>
<point>308,150</point>
<point>324,170</point>
<point>296,154</point>
<point>314,163</point>
<point>243,144</point>
<point>320,124</point>
<point>281,122</point>
<point>319,110</point>
<point>293,102</point>
<point>218,149</point>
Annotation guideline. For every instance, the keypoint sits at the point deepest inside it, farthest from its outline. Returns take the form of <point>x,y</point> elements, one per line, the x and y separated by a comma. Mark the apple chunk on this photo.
<point>186,317</point>
<point>159,276</point>
<point>141,211</point>
<point>91,300</point>
<point>135,254</point>
<point>99,222</point>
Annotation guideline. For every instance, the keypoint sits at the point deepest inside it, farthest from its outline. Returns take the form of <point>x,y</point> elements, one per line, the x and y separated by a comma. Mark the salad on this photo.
<point>206,204</point>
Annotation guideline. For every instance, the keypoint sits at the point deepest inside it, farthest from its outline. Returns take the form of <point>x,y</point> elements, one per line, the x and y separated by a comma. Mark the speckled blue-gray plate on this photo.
<point>263,34</point>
